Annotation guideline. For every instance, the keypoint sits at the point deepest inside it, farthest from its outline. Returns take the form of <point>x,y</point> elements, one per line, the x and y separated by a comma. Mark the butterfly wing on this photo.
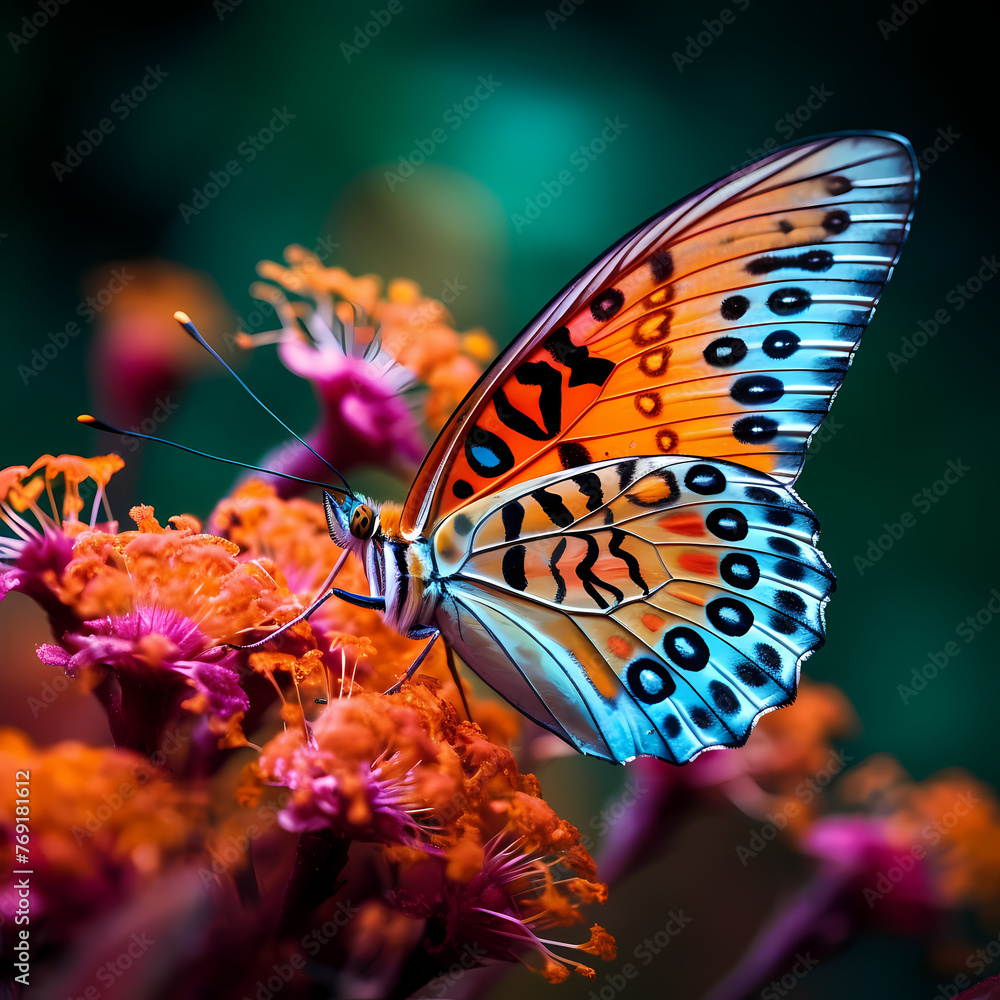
<point>722,327</point>
<point>656,605</point>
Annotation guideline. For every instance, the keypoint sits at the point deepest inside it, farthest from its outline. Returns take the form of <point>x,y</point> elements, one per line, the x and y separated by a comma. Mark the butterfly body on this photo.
<point>605,531</point>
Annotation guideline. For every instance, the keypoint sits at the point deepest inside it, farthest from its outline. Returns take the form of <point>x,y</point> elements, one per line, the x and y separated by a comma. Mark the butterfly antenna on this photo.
<point>192,330</point>
<point>86,418</point>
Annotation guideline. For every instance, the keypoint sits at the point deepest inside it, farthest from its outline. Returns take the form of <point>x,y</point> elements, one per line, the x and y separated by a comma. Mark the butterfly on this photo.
<point>605,531</point>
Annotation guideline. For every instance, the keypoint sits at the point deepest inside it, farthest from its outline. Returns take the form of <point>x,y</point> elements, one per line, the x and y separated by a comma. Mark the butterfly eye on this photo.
<point>362,521</point>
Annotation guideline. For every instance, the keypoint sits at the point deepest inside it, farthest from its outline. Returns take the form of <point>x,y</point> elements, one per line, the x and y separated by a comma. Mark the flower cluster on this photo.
<point>227,758</point>
<point>364,349</point>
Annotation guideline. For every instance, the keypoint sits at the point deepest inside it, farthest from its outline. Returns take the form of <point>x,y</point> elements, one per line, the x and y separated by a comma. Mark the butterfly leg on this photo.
<point>419,632</point>
<point>319,602</point>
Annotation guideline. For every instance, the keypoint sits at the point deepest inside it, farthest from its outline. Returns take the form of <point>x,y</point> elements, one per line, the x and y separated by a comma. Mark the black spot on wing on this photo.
<point>649,680</point>
<point>585,571</point>
<point>513,568</point>
<point>724,352</point>
<point>662,266</point>
<point>615,548</point>
<point>836,222</point>
<point>583,369</point>
<point>756,429</point>
<point>557,554</point>
<point>572,455</point>
<point>734,307</point>
<point>591,487</point>
<point>685,647</point>
<point>789,301</point>
<point>781,344</point>
<point>606,304</point>
<point>487,454</point>
<point>512,515</point>
<point>626,473</point>
<point>757,390</point>
<point>553,507</point>
<point>811,260</point>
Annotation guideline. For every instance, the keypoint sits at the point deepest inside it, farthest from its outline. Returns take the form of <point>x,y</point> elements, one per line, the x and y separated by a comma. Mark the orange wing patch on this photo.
<point>620,647</point>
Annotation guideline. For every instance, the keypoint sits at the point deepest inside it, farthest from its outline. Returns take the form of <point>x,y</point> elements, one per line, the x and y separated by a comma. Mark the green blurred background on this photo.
<point>557,73</point>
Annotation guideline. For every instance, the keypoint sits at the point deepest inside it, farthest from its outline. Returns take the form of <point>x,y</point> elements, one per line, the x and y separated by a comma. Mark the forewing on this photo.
<point>722,328</point>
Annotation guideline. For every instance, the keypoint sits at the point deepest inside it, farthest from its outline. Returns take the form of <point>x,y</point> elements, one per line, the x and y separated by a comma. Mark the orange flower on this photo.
<point>369,769</point>
<point>139,356</point>
<point>101,821</point>
<point>951,818</point>
<point>37,559</point>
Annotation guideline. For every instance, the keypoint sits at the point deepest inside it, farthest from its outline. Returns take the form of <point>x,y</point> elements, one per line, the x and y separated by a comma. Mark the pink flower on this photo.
<point>363,348</point>
<point>502,910</point>
<point>365,419</point>
<point>147,660</point>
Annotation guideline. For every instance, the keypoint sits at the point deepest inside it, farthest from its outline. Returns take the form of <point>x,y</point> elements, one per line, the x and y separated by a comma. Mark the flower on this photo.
<point>473,840</point>
<point>950,822</point>
<point>500,912</point>
<point>138,356</point>
<point>101,822</point>
<point>154,655</point>
<point>329,336</point>
<point>37,560</point>
<point>369,770</point>
<point>144,617</point>
<point>293,535</point>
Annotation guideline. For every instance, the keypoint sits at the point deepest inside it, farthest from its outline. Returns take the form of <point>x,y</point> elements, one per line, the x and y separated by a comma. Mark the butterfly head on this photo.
<point>352,520</point>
